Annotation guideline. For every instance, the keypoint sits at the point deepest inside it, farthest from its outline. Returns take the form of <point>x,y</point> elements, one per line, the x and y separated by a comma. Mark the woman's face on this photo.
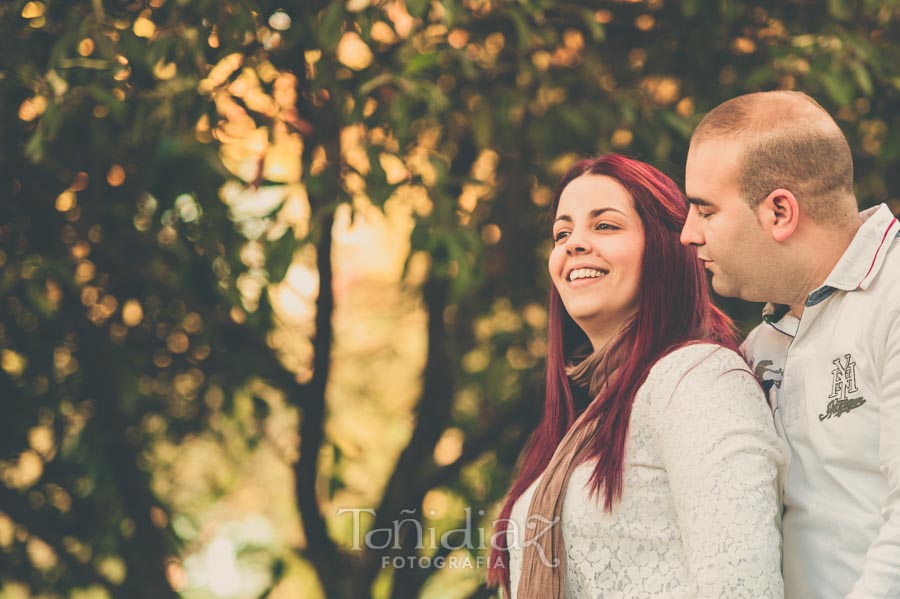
<point>596,259</point>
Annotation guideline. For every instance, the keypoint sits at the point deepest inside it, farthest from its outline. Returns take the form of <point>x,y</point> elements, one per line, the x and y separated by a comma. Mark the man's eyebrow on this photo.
<point>700,202</point>
<point>594,214</point>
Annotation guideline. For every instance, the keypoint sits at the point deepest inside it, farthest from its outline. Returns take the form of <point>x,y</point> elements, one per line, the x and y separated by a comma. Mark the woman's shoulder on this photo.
<point>690,368</point>
<point>702,358</point>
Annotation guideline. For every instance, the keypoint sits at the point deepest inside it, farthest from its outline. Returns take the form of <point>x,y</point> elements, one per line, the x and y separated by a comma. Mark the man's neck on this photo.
<point>797,309</point>
<point>827,249</point>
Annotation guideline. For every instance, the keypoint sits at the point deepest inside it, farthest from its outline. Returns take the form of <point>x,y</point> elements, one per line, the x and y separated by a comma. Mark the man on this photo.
<point>774,218</point>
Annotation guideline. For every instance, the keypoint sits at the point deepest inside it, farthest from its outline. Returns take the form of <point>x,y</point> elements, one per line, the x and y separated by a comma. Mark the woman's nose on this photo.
<point>577,245</point>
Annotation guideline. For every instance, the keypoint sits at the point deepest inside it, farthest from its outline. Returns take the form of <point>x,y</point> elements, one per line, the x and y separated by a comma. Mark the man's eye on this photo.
<point>701,213</point>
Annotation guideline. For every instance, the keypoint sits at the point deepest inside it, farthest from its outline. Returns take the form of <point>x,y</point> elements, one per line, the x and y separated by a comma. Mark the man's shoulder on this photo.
<point>880,258</point>
<point>889,274</point>
<point>756,339</point>
<point>876,299</point>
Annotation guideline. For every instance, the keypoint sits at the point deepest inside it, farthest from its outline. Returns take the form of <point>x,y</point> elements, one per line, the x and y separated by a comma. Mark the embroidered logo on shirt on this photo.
<point>760,371</point>
<point>843,383</point>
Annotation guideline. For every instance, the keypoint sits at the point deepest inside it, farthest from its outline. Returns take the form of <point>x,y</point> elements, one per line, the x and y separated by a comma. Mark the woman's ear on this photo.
<point>779,212</point>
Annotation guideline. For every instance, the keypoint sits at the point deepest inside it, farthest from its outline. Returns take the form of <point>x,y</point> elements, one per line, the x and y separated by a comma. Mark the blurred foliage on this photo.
<point>264,261</point>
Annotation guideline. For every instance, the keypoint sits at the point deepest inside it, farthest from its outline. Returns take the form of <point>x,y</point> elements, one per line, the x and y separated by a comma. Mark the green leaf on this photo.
<point>837,9</point>
<point>34,149</point>
<point>261,409</point>
<point>377,187</point>
<point>575,119</point>
<point>420,63</point>
<point>332,23</point>
<point>689,8</point>
<point>890,150</point>
<point>598,30</point>
<point>420,238</point>
<point>416,8</point>
<point>483,124</point>
<point>522,29</point>
<point>679,125</point>
<point>863,79</point>
<point>728,10</point>
<point>374,83</point>
<point>839,87</point>
<point>279,255</point>
<point>38,300</point>
<point>8,280</point>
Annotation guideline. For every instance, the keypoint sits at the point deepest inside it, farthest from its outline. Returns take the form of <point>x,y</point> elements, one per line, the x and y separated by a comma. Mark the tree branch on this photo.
<point>323,552</point>
<point>324,189</point>
<point>432,413</point>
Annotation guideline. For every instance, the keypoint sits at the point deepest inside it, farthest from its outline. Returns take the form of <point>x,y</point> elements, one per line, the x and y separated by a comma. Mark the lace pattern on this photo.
<point>700,511</point>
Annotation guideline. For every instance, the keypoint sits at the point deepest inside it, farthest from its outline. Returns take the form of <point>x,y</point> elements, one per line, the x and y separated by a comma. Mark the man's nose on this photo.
<point>690,233</point>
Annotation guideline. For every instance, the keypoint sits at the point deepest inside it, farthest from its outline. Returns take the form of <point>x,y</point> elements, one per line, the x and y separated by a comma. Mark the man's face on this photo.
<point>726,232</point>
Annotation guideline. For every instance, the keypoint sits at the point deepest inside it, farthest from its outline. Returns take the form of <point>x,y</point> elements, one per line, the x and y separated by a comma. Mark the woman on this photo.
<point>665,482</point>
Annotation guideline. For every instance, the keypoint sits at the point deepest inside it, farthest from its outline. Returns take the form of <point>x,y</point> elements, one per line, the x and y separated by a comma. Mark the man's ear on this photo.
<point>780,214</point>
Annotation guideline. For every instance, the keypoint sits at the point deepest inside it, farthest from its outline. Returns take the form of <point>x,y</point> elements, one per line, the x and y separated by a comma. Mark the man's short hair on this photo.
<point>789,141</point>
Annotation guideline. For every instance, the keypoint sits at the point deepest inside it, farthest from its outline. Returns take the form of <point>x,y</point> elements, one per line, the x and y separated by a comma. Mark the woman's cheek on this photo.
<point>555,263</point>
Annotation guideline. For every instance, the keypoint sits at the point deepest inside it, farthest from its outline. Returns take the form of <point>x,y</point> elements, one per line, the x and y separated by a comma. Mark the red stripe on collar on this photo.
<point>880,246</point>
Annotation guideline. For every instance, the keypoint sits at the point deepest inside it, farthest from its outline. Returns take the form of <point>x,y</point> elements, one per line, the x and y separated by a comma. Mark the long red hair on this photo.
<point>674,309</point>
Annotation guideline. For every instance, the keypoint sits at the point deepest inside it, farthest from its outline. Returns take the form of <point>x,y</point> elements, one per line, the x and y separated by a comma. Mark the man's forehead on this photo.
<point>712,162</point>
<point>716,150</point>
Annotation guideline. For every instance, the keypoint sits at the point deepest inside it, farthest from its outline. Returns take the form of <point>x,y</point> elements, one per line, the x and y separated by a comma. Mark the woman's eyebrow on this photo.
<point>594,213</point>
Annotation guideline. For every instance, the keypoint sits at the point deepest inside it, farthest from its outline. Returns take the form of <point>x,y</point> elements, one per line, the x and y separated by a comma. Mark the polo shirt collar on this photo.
<point>858,266</point>
<point>865,255</point>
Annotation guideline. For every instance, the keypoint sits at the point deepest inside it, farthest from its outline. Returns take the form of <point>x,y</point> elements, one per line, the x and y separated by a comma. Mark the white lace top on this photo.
<point>700,510</point>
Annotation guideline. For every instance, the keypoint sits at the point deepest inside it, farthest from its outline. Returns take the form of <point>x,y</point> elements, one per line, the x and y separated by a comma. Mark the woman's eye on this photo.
<point>605,227</point>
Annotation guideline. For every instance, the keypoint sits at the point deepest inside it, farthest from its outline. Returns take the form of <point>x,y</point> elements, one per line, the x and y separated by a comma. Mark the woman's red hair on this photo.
<point>675,308</point>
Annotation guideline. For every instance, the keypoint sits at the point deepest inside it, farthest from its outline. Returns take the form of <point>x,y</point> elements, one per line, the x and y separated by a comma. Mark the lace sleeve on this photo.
<point>722,457</point>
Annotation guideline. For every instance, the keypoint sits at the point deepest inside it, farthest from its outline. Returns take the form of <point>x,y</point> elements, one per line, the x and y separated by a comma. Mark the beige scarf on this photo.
<point>544,555</point>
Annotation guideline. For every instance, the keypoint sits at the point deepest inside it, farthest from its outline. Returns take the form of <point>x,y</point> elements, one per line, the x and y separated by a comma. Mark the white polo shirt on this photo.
<point>833,380</point>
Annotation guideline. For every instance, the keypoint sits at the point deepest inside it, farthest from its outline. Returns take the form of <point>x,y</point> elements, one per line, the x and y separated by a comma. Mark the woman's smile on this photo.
<point>597,256</point>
